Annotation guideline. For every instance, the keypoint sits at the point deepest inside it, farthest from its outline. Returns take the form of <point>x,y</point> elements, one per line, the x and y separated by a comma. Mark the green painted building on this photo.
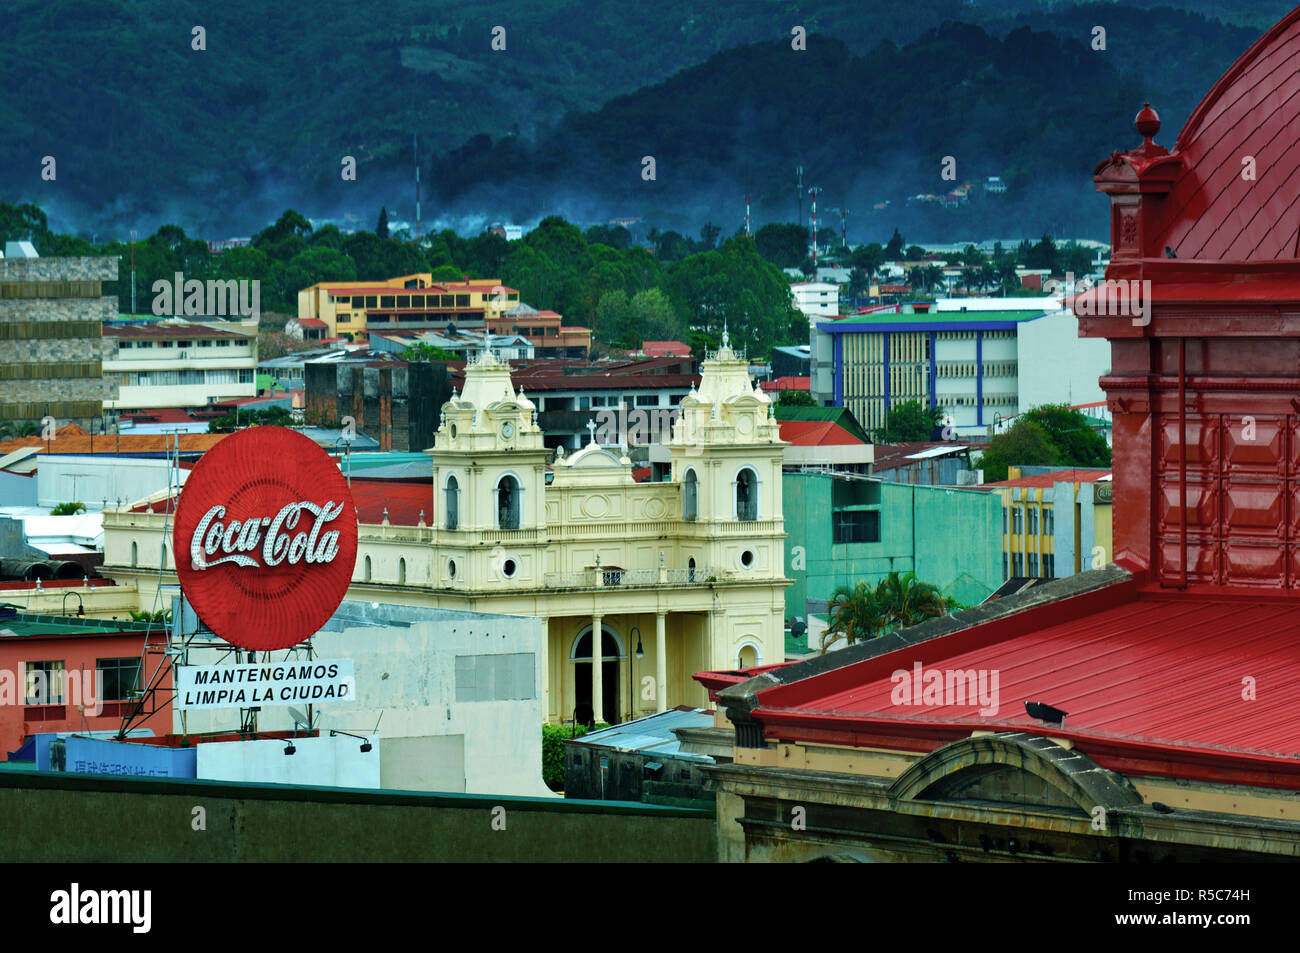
<point>842,530</point>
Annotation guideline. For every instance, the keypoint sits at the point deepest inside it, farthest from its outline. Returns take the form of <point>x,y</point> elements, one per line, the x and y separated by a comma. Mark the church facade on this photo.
<point>676,576</point>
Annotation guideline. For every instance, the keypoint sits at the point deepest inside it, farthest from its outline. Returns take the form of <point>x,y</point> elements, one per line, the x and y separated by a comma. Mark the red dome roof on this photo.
<point>1213,212</point>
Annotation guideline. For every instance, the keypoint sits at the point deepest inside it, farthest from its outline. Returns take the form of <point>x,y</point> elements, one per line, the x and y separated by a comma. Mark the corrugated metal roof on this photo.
<point>652,733</point>
<point>941,451</point>
<point>1159,669</point>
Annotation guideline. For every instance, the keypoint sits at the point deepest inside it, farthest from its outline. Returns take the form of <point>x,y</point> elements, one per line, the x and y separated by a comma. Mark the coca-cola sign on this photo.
<point>233,540</point>
<point>266,538</point>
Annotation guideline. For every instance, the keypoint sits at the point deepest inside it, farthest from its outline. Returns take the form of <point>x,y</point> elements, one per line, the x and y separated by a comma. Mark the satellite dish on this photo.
<point>299,718</point>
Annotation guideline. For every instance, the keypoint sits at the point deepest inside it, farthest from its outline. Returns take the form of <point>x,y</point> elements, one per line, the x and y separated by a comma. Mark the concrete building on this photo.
<point>1054,524</point>
<point>545,331</point>
<point>693,565</point>
<point>393,401</point>
<point>351,308</point>
<point>453,698</point>
<point>52,315</point>
<point>854,528</point>
<point>816,298</point>
<point>570,395</point>
<point>460,344</point>
<point>69,673</point>
<point>179,363</point>
<point>968,363</point>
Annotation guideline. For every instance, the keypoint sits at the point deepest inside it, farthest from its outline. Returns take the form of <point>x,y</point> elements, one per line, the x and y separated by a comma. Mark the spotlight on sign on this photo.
<point>365,742</point>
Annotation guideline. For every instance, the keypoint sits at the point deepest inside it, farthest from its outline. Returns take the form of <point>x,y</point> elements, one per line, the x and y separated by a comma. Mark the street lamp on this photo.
<point>631,672</point>
<point>81,609</point>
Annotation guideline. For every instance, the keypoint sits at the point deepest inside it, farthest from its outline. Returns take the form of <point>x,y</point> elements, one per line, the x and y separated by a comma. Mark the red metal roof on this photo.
<point>311,323</point>
<point>1046,480</point>
<point>1212,211</point>
<point>1151,682</point>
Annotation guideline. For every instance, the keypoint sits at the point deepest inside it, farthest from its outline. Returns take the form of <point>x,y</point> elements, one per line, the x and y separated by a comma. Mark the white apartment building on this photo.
<point>820,298</point>
<point>178,363</point>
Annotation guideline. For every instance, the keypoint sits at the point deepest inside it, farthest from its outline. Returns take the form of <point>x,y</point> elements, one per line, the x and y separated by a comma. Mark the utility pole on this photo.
<point>844,239</point>
<point>133,272</point>
<point>747,233</point>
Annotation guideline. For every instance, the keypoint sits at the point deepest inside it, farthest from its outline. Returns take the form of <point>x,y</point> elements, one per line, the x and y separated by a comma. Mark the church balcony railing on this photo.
<point>631,578</point>
<point>512,535</point>
<point>742,527</point>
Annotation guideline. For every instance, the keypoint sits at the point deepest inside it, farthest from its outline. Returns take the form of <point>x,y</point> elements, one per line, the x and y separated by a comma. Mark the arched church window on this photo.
<point>746,495</point>
<point>690,496</point>
<point>453,503</point>
<point>508,502</point>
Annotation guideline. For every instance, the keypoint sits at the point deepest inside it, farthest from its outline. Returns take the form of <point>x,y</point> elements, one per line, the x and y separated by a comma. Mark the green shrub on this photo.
<point>553,737</point>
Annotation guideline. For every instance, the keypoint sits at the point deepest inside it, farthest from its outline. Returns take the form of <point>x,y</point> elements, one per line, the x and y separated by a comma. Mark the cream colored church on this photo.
<point>677,576</point>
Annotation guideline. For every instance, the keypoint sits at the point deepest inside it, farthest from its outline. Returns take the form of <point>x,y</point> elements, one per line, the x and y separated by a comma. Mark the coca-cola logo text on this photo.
<point>279,545</point>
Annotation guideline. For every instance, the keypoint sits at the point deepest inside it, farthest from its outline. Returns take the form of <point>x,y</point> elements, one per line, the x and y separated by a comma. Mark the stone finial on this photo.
<point>422,523</point>
<point>385,521</point>
<point>591,429</point>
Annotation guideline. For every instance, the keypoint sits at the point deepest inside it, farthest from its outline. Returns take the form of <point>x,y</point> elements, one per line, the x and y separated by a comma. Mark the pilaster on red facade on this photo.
<point>1205,376</point>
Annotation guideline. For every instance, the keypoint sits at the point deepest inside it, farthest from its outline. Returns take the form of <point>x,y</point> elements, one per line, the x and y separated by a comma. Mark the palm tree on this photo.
<point>862,612</point>
<point>855,614</point>
<point>908,600</point>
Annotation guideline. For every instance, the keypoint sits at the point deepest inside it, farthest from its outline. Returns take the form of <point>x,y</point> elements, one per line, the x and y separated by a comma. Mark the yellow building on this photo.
<point>1054,524</point>
<point>407,301</point>
<point>679,576</point>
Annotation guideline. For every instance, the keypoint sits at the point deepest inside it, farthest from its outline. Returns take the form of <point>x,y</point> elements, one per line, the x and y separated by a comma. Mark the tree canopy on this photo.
<point>909,421</point>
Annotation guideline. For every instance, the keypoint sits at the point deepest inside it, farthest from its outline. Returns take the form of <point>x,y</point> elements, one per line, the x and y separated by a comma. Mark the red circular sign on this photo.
<point>266,538</point>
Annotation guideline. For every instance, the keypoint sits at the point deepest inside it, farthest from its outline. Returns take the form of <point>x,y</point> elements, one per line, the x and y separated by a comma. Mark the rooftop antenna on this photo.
<point>813,192</point>
<point>798,190</point>
<point>133,272</point>
<point>844,239</point>
<point>415,147</point>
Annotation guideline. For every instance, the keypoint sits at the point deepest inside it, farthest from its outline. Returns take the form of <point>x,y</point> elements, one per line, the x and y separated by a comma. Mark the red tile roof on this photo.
<point>311,323</point>
<point>665,349</point>
<point>404,499</point>
<point>1151,683</point>
<point>67,440</point>
<point>167,332</point>
<point>787,383</point>
<point>816,433</point>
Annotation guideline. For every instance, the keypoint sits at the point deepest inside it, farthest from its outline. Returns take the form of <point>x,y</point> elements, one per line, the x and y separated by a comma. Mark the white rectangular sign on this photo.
<point>264,684</point>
